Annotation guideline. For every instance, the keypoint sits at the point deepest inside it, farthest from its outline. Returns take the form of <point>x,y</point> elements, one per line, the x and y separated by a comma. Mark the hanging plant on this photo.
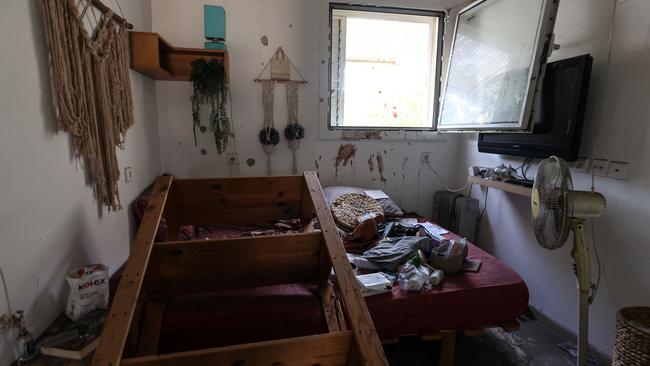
<point>211,86</point>
<point>294,132</point>
<point>269,136</point>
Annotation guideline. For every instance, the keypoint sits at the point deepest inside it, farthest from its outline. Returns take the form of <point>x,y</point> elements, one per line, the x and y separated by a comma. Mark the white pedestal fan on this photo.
<point>557,209</point>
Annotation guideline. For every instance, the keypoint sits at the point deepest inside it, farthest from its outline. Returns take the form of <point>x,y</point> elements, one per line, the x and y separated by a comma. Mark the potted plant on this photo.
<point>269,137</point>
<point>294,133</point>
<point>211,86</point>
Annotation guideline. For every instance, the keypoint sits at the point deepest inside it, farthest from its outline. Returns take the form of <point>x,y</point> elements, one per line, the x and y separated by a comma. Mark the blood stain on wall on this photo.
<point>371,163</point>
<point>344,156</point>
<point>380,166</point>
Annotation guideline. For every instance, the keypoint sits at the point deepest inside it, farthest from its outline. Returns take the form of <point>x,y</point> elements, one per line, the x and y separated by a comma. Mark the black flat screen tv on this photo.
<point>559,115</point>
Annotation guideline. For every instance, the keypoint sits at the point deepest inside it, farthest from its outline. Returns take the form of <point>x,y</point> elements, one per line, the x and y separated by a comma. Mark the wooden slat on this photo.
<point>172,215</point>
<point>117,325</point>
<point>205,265</point>
<point>190,189</point>
<point>153,317</point>
<point>238,215</point>
<point>238,200</point>
<point>328,304</point>
<point>218,201</point>
<point>324,350</point>
<point>324,265</point>
<point>307,209</point>
<point>368,345</point>
<point>447,348</point>
<point>343,324</point>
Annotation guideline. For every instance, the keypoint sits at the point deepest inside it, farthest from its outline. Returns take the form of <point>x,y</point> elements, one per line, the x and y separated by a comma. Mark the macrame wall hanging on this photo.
<point>91,88</point>
<point>269,137</point>
<point>294,132</point>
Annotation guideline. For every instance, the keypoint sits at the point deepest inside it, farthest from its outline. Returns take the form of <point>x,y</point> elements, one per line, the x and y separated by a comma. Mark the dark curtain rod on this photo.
<point>105,9</point>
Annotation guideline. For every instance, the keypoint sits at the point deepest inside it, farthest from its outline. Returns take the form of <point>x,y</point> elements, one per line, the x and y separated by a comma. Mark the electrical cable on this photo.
<point>442,182</point>
<point>594,287</point>
<point>525,166</point>
<point>487,189</point>
<point>522,164</point>
<point>4,285</point>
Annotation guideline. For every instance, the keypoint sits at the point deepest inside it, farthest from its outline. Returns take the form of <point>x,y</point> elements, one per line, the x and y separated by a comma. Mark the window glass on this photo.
<point>383,69</point>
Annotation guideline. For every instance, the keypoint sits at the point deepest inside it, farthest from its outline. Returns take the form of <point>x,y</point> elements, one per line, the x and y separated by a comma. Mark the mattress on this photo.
<point>494,295</point>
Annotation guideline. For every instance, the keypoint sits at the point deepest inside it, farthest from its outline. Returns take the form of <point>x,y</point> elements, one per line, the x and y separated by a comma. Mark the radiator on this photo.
<point>456,213</point>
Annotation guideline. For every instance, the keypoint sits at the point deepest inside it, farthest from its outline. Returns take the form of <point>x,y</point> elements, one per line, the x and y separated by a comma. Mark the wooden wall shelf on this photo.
<point>507,187</point>
<point>153,56</point>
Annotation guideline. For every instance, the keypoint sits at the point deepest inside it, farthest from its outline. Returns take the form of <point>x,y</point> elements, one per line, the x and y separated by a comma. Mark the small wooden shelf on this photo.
<point>507,187</point>
<point>153,56</point>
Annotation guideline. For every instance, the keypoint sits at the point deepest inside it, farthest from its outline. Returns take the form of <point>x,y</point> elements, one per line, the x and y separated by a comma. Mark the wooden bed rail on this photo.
<point>368,346</point>
<point>169,269</point>
<point>234,200</point>
<point>118,322</point>
<point>322,349</point>
<point>213,265</point>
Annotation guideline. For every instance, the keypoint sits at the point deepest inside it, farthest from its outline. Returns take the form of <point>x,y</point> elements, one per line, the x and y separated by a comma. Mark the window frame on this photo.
<point>541,52</point>
<point>436,79</point>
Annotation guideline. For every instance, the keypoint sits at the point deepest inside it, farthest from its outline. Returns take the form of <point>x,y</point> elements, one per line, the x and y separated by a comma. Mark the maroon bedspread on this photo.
<point>494,295</point>
<point>465,300</point>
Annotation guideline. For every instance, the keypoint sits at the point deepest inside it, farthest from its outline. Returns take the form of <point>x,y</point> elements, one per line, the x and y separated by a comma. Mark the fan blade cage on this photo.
<point>552,184</point>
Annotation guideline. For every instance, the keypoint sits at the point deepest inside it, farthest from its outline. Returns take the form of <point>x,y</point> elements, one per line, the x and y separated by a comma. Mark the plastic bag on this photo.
<point>88,290</point>
<point>413,277</point>
<point>449,256</point>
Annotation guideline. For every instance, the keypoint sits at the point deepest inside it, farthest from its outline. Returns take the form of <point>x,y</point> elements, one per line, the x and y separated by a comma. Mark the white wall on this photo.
<point>616,128</point>
<point>296,26</point>
<point>49,220</point>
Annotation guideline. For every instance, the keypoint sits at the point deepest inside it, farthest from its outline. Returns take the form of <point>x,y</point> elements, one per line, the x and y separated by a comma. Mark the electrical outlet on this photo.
<point>425,158</point>
<point>232,159</point>
<point>618,170</point>
<point>600,167</point>
<point>128,174</point>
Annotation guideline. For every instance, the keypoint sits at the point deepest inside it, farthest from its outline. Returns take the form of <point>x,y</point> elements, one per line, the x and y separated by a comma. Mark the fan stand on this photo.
<point>582,269</point>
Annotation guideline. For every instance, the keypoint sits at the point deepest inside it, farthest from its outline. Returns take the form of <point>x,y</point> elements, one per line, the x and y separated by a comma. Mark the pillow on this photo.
<point>388,205</point>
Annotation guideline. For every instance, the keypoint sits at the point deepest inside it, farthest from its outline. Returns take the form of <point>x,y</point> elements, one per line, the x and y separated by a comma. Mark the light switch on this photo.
<point>128,174</point>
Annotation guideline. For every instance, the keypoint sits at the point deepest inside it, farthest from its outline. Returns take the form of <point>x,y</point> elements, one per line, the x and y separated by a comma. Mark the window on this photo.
<point>496,66</point>
<point>385,67</point>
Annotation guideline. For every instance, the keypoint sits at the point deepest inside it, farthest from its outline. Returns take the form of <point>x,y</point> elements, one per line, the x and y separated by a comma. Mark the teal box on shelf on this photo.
<point>220,46</point>
<point>214,23</point>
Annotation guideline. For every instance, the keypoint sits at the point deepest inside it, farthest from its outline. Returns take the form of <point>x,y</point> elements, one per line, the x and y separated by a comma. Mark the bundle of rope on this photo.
<point>91,90</point>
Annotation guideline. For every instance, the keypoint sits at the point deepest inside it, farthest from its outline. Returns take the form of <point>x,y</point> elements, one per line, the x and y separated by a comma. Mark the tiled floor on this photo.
<point>534,344</point>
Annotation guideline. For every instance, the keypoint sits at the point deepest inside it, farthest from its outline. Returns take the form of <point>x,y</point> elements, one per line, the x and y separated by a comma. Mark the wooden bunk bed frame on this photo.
<point>178,267</point>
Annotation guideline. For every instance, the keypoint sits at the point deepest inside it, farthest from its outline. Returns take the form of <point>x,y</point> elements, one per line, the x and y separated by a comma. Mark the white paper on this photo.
<point>373,281</point>
<point>376,194</point>
<point>408,222</point>
<point>433,230</point>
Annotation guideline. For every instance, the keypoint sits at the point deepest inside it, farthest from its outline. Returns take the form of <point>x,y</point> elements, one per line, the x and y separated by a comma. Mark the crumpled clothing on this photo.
<point>390,253</point>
